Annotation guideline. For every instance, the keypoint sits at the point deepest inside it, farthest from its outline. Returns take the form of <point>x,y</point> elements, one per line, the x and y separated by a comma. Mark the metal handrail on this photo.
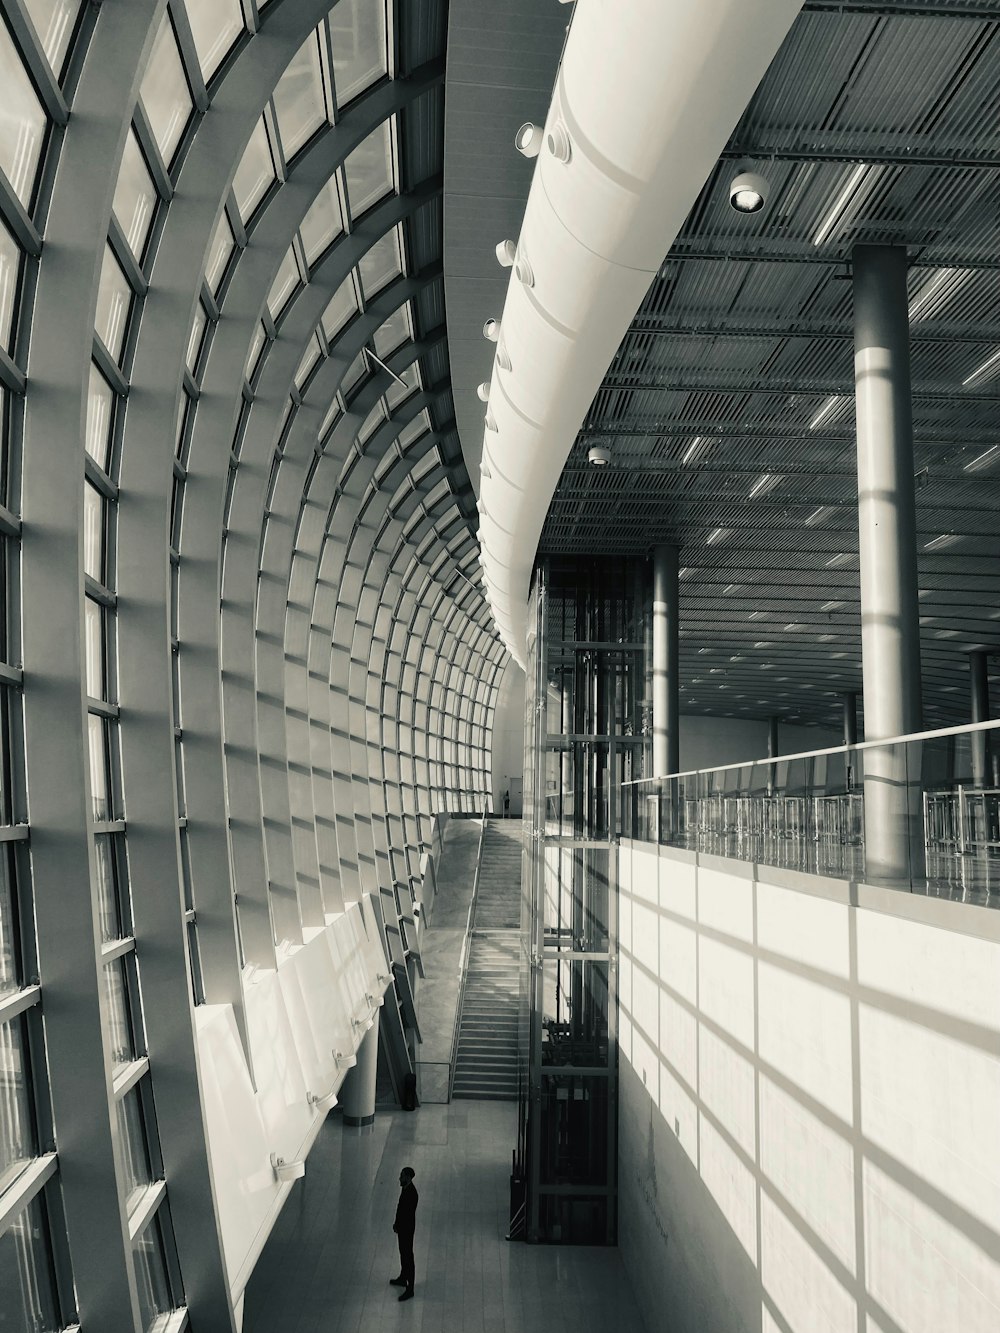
<point>463,964</point>
<point>968,729</point>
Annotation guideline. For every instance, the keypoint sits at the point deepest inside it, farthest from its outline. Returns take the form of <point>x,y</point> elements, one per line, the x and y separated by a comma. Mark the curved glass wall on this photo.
<point>239,577</point>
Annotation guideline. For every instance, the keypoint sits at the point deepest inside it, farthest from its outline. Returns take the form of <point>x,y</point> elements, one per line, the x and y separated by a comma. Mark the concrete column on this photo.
<point>357,1096</point>
<point>666,700</point>
<point>979,683</point>
<point>890,637</point>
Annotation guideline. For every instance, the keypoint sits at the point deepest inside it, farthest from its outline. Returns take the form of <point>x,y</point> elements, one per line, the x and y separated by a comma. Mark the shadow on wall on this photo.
<point>808,1104</point>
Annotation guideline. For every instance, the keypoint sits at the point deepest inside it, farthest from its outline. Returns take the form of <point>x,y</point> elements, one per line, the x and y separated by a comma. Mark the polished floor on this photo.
<point>326,1266</point>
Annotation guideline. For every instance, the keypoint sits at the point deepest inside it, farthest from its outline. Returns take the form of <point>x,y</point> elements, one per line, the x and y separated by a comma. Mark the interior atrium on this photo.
<point>416,414</point>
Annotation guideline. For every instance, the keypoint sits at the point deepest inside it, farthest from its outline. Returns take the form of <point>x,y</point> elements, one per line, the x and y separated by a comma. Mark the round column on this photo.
<point>357,1096</point>
<point>666,699</point>
<point>890,635</point>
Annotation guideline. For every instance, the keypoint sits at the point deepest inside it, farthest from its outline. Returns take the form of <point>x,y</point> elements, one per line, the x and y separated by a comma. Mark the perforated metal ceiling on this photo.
<point>729,406</point>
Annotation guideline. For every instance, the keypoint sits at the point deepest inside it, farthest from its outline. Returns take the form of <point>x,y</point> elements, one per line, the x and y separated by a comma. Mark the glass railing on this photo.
<point>920,812</point>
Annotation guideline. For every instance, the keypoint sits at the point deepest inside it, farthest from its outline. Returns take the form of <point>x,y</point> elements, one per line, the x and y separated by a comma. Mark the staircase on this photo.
<point>486,1060</point>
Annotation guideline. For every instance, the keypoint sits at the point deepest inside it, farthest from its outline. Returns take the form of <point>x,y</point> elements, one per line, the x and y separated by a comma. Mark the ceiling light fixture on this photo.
<point>483,392</point>
<point>697,447</point>
<point>941,543</point>
<point>992,363</point>
<point>558,143</point>
<point>983,460</point>
<point>827,410</point>
<point>599,455</point>
<point>839,205</point>
<point>716,535</point>
<point>528,139</point>
<point>506,253</point>
<point>936,291</point>
<point>763,485</point>
<point>491,330</point>
<point>818,515</point>
<point>748,192</point>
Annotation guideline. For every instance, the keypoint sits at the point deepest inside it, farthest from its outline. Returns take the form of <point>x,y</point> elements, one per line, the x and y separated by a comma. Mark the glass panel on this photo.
<point>369,170</point>
<point>309,359</point>
<point>343,305</point>
<point>397,392</point>
<point>195,337</point>
<point>114,299</point>
<point>414,430</point>
<point>255,172</point>
<point>255,348</point>
<point>394,332</point>
<point>322,223</point>
<point>10,266</point>
<point>94,636</point>
<point>374,418</point>
<point>215,26</point>
<point>29,1290</point>
<point>105,853</point>
<point>218,253</point>
<point>355,373</point>
<point>17,1133</point>
<point>151,1277</point>
<point>380,264</point>
<point>22,122</point>
<point>93,532</point>
<point>118,1026</point>
<point>98,743</point>
<point>357,29</point>
<point>137,1173</point>
<point>54,21</point>
<point>10,949</point>
<point>166,97</point>
<point>135,196</point>
<point>298,99</point>
<point>285,282</point>
<point>100,407</point>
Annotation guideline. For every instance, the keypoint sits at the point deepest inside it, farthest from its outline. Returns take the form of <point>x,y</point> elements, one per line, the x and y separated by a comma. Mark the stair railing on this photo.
<point>463,965</point>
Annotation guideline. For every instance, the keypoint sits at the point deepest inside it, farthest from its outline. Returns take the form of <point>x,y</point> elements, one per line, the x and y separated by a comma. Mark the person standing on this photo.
<point>404,1226</point>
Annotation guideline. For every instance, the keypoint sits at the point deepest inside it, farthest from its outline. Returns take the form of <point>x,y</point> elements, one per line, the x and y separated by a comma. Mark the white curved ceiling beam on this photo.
<point>646,98</point>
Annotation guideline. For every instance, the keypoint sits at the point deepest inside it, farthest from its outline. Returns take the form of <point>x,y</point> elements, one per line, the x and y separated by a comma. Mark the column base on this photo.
<point>359,1119</point>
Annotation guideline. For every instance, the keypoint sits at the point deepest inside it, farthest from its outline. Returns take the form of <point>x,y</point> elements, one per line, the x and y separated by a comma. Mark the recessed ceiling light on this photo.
<point>528,139</point>
<point>819,515</point>
<point>695,449</point>
<point>841,558</point>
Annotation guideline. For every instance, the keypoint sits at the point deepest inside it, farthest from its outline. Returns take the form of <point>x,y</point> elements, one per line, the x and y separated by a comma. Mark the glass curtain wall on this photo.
<point>585,735</point>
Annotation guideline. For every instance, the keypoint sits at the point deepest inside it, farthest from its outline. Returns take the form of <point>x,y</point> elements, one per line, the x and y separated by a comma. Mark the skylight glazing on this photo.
<point>379,265</point>
<point>394,332</point>
<point>285,282</point>
<point>10,266</point>
<point>370,169</point>
<point>358,33</point>
<point>342,306</point>
<point>218,253</point>
<point>166,97</point>
<point>100,408</point>
<point>255,172</point>
<point>135,197</point>
<point>215,26</point>
<point>22,122</point>
<point>323,223</point>
<point>114,299</point>
<point>54,22</point>
<point>300,103</point>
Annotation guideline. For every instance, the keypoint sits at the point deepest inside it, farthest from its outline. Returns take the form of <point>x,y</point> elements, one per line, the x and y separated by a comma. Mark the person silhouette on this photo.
<point>404,1225</point>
